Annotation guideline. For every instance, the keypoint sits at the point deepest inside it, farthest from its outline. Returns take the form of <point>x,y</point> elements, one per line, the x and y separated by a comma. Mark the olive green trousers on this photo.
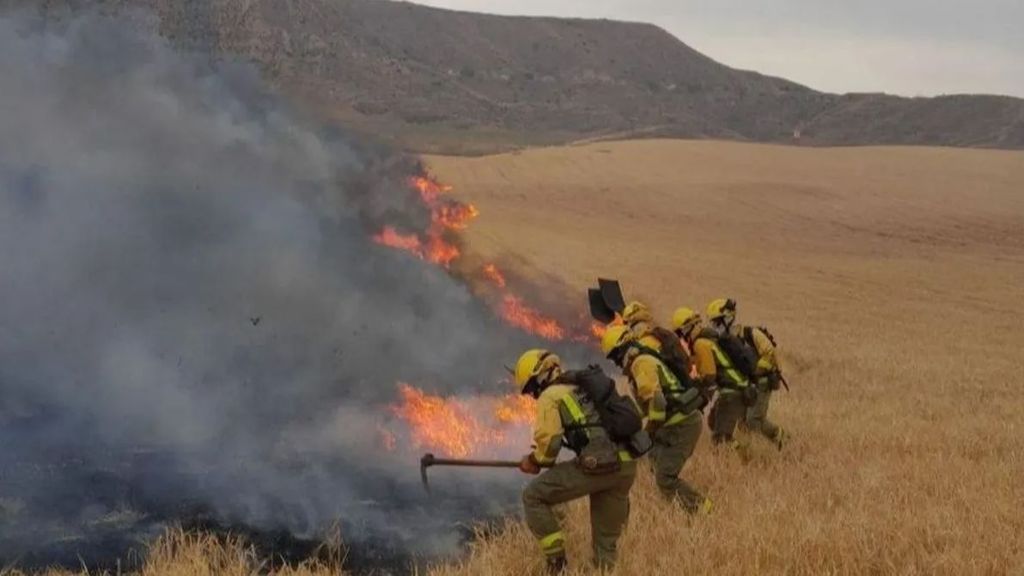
<point>609,507</point>
<point>673,446</point>
<point>728,411</point>
<point>757,415</point>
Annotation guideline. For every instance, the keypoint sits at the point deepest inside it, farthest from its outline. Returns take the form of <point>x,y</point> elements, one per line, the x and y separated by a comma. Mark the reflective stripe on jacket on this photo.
<point>653,384</point>
<point>563,417</point>
<point>713,364</point>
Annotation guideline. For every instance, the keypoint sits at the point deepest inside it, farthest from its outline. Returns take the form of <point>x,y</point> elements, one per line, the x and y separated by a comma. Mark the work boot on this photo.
<point>557,565</point>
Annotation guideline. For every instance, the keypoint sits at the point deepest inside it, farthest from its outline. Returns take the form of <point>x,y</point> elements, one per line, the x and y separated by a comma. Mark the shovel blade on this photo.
<point>599,310</point>
<point>611,292</point>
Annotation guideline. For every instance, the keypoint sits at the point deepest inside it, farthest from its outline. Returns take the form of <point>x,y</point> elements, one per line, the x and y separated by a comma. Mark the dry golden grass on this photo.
<point>893,277</point>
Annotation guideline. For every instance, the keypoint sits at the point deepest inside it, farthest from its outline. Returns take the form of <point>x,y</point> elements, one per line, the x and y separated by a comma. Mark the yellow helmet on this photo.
<point>534,363</point>
<point>721,308</point>
<point>684,318</point>
<point>614,338</point>
<point>636,311</point>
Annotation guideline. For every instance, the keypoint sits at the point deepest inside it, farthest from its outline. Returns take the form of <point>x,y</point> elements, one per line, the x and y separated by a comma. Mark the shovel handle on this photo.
<point>431,460</point>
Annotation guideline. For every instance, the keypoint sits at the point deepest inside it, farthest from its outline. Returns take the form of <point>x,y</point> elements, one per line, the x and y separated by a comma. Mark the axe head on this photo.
<point>598,309</point>
<point>611,293</point>
<point>426,462</point>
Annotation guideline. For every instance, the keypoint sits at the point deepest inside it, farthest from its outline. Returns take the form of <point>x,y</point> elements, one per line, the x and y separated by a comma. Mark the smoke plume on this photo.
<point>192,316</point>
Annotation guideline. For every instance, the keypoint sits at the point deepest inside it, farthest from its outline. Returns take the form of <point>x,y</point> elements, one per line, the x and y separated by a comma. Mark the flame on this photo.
<point>437,423</point>
<point>434,245</point>
<point>445,215</point>
<point>441,252</point>
<point>393,239</point>
<point>518,314</point>
<point>460,427</point>
<point>519,409</point>
<point>492,273</point>
<point>429,188</point>
<point>455,216</point>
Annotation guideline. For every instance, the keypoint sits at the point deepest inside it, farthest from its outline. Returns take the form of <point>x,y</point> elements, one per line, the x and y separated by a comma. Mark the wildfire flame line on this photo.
<point>432,246</point>
<point>445,215</point>
<point>460,427</point>
<point>456,427</point>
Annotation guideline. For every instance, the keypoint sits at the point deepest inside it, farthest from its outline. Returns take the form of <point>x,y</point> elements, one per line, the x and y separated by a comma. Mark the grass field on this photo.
<point>893,278</point>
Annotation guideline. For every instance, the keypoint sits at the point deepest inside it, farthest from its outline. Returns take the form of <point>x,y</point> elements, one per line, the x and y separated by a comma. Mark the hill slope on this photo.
<point>422,75</point>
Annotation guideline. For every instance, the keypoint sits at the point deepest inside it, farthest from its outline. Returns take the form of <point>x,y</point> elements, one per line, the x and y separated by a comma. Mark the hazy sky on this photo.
<point>909,47</point>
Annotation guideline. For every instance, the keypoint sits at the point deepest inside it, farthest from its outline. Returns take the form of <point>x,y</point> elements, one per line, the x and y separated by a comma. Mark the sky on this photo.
<point>906,47</point>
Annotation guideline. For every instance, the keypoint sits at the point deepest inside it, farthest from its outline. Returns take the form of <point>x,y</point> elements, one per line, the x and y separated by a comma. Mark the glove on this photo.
<point>529,466</point>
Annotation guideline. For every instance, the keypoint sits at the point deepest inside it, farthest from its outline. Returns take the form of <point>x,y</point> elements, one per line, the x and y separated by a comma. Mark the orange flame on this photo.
<point>445,215</point>
<point>441,252</point>
<point>433,246</point>
<point>392,238</point>
<point>455,216</point>
<point>492,273</point>
<point>430,189</point>
<point>519,409</point>
<point>457,427</point>
<point>518,314</point>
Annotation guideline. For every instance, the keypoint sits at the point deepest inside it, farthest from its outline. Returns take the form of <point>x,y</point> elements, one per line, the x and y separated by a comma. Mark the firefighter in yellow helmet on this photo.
<point>672,409</point>
<point>566,417</point>
<point>637,316</point>
<point>714,370</point>
<point>765,375</point>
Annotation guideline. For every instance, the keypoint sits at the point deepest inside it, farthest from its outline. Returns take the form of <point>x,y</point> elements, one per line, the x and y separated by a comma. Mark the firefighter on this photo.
<point>767,376</point>
<point>714,370</point>
<point>673,413</point>
<point>567,417</point>
<point>637,316</point>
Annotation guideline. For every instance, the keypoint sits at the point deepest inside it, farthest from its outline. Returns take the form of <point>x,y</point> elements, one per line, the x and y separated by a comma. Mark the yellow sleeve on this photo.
<point>704,359</point>
<point>648,387</point>
<point>766,360</point>
<point>547,432</point>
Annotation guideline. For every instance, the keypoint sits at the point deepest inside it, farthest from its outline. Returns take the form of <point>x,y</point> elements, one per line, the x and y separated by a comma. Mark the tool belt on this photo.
<point>600,456</point>
<point>685,401</point>
<point>639,444</point>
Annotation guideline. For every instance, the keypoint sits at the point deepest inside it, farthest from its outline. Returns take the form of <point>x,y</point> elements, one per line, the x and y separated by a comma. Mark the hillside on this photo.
<point>889,276</point>
<point>434,79</point>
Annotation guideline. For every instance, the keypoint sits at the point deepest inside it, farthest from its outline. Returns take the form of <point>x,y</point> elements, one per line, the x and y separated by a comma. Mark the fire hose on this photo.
<point>429,460</point>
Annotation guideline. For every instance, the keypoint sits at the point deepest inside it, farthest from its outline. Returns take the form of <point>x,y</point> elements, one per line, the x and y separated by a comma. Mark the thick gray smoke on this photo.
<point>192,317</point>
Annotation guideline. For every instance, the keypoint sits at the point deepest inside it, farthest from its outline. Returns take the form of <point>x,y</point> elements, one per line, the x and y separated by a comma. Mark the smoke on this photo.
<point>192,317</point>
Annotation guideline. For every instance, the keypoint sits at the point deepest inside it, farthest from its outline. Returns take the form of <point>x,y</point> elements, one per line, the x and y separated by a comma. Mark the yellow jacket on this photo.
<point>650,379</point>
<point>767,360</point>
<point>642,331</point>
<point>644,374</point>
<point>714,367</point>
<point>548,428</point>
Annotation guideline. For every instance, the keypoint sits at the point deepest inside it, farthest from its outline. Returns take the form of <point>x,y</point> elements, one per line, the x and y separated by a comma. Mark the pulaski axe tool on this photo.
<point>606,301</point>
<point>429,460</point>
